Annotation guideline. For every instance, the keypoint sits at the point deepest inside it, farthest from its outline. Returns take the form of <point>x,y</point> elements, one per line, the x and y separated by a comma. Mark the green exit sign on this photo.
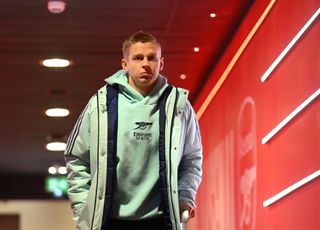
<point>57,185</point>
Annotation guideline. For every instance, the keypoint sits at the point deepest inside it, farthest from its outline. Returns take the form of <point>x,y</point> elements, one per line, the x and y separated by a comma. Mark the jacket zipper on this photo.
<point>170,146</point>
<point>97,170</point>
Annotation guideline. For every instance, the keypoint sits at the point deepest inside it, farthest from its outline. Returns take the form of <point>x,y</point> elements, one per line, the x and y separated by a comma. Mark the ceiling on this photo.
<point>90,33</point>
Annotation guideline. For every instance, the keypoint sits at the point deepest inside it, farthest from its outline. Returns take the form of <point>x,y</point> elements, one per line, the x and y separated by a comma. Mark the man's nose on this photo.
<point>145,62</point>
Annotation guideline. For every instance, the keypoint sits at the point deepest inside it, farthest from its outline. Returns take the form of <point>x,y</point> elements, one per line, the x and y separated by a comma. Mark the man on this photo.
<point>134,156</point>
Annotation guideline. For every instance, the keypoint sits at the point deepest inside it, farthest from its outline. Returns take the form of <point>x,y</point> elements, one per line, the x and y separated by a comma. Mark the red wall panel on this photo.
<point>240,172</point>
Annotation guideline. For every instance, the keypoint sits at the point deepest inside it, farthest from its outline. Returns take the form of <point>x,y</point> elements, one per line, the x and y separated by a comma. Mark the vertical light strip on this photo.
<point>289,46</point>
<point>235,58</point>
<point>294,113</point>
<point>291,188</point>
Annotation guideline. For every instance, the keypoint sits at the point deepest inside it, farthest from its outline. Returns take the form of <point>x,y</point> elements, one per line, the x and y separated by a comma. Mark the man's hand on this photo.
<point>185,206</point>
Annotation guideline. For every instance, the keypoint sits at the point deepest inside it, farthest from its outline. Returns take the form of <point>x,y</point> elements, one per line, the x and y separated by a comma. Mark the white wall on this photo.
<point>40,215</point>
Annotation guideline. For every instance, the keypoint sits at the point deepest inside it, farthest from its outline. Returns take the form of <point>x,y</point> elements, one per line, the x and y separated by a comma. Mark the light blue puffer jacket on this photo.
<point>86,158</point>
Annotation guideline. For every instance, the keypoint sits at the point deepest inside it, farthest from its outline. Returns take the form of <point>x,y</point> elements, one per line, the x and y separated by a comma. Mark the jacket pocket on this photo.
<point>86,213</point>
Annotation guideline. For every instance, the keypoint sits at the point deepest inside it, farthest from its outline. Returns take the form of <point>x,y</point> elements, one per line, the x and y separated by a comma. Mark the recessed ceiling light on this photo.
<point>56,6</point>
<point>56,169</point>
<point>213,15</point>
<point>196,49</point>
<point>56,146</point>
<point>62,170</point>
<point>183,76</point>
<point>52,170</point>
<point>55,62</point>
<point>57,112</point>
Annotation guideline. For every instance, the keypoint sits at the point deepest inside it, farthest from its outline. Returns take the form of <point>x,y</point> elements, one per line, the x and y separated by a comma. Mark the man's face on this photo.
<point>143,62</point>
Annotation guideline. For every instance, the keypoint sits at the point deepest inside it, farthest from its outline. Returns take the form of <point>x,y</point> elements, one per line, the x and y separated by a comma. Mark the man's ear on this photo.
<point>124,64</point>
<point>161,63</point>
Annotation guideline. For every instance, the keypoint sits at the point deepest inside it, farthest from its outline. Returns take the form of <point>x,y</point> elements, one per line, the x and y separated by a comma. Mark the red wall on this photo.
<point>240,172</point>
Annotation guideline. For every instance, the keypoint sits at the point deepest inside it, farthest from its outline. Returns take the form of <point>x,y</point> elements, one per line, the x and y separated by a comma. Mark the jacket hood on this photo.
<point>120,78</point>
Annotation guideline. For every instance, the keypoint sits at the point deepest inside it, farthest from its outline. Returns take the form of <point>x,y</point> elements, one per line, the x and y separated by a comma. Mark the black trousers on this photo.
<point>148,224</point>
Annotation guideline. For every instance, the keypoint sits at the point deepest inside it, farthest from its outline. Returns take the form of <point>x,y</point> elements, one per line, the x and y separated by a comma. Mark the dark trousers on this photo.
<point>148,224</point>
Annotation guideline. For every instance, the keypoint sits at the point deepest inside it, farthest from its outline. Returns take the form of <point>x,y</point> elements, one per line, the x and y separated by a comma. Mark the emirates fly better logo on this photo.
<point>142,132</point>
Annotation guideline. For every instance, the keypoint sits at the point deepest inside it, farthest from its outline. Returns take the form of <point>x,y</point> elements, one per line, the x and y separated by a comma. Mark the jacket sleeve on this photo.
<point>77,157</point>
<point>190,167</point>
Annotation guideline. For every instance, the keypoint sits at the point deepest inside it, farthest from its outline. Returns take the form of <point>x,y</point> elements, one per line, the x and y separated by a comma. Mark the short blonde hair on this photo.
<point>139,36</point>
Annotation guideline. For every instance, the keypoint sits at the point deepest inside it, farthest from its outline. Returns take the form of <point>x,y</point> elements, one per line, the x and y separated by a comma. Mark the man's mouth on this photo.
<point>145,74</point>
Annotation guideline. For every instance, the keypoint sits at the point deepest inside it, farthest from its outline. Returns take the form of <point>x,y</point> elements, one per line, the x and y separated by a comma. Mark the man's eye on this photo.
<point>138,58</point>
<point>152,58</point>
